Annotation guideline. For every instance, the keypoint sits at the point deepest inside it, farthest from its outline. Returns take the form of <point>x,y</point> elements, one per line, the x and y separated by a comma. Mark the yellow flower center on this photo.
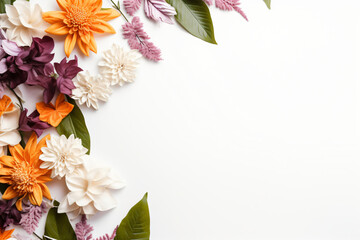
<point>23,179</point>
<point>78,18</point>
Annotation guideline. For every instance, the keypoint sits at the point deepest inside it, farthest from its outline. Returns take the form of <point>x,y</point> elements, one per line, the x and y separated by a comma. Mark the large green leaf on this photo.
<point>136,224</point>
<point>268,2</point>
<point>58,227</point>
<point>74,123</point>
<point>194,16</point>
<point>2,4</point>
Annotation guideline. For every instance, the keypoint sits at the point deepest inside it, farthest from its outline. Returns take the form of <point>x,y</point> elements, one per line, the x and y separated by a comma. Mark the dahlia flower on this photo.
<point>89,191</point>
<point>79,20</point>
<point>90,89</point>
<point>22,172</point>
<point>62,155</point>
<point>24,22</point>
<point>118,66</point>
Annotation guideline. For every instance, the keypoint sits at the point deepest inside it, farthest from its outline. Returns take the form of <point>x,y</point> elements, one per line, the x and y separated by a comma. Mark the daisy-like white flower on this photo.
<point>90,89</point>
<point>89,191</point>
<point>118,66</point>
<point>62,155</point>
<point>24,21</point>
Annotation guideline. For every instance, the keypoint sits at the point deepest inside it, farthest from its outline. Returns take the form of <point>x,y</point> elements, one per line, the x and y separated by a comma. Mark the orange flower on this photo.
<point>79,20</point>
<point>6,234</point>
<point>54,114</point>
<point>6,104</point>
<point>22,172</point>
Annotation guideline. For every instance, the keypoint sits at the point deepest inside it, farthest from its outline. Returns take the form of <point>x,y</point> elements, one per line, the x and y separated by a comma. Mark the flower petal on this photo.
<point>54,16</point>
<point>70,42</point>
<point>58,28</point>
<point>100,26</point>
<point>108,14</point>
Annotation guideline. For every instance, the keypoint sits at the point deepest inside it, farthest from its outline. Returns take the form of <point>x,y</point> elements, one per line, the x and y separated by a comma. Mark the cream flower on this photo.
<point>89,191</point>
<point>62,155</point>
<point>90,89</point>
<point>24,22</point>
<point>118,66</point>
<point>9,123</point>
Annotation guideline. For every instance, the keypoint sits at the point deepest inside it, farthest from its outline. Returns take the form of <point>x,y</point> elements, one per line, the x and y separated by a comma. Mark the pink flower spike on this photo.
<point>131,6</point>
<point>83,229</point>
<point>159,10</point>
<point>138,39</point>
<point>208,2</point>
<point>229,5</point>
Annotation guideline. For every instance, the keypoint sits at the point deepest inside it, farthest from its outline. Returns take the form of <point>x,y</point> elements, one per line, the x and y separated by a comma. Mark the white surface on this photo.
<point>255,138</point>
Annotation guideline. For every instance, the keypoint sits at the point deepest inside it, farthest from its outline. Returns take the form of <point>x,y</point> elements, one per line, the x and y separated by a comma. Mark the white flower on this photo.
<point>90,89</point>
<point>89,191</point>
<point>9,123</point>
<point>118,66</point>
<point>62,155</point>
<point>24,21</point>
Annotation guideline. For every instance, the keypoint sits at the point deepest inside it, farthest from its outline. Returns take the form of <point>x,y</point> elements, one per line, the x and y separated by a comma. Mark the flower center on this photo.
<point>78,18</point>
<point>23,179</point>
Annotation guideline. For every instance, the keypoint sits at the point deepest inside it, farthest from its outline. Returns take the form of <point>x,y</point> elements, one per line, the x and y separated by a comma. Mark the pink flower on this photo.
<point>159,10</point>
<point>208,2</point>
<point>131,6</point>
<point>229,5</point>
<point>138,39</point>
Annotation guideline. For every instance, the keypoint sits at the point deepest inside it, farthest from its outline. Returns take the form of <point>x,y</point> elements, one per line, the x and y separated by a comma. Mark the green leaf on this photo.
<point>194,16</point>
<point>136,224</point>
<point>57,226</point>
<point>268,2</point>
<point>74,123</point>
<point>2,4</point>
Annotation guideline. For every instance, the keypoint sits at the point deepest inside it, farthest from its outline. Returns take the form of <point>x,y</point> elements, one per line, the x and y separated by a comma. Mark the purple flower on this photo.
<point>67,71</point>
<point>8,214</point>
<point>83,229</point>
<point>31,216</point>
<point>33,60</point>
<point>32,123</point>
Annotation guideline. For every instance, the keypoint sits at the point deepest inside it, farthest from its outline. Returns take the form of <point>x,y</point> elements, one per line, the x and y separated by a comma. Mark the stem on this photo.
<point>37,236</point>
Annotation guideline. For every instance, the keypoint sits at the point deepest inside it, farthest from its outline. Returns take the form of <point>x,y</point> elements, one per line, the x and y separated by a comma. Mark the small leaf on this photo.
<point>74,123</point>
<point>136,224</point>
<point>194,16</point>
<point>268,2</point>
<point>58,227</point>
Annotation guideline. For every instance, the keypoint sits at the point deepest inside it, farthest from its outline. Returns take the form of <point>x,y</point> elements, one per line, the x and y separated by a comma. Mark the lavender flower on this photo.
<point>31,216</point>
<point>32,123</point>
<point>83,229</point>
<point>8,214</point>
<point>67,71</point>
<point>138,39</point>
<point>107,237</point>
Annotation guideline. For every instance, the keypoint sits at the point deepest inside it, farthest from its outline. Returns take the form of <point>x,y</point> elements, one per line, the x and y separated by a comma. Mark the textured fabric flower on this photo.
<point>138,39</point>
<point>67,71</point>
<point>24,22</point>
<point>31,215</point>
<point>228,5</point>
<point>89,191</point>
<point>131,6</point>
<point>4,235</point>
<point>83,229</point>
<point>90,89</point>
<point>118,66</point>
<point>54,114</point>
<point>22,172</point>
<point>159,10</point>
<point>32,123</point>
<point>63,155</point>
<point>79,20</point>
<point>9,123</point>
<point>8,214</point>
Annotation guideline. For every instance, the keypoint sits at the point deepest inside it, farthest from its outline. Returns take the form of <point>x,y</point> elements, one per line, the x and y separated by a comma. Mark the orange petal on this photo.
<point>100,26</point>
<point>45,191</point>
<point>84,48</point>
<point>5,171</point>
<point>43,179</point>
<point>107,14</point>
<point>35,197</point>
<point>58,28</point>
<point>7,161</point>
<point>42,143</point>
<point>10,193</point>
<point>6,234</point>
<point>17,152</point>
<point>59,100</point>
<point>70,42</point>
<point>55,119</point>
<point>62,4</point>
<point>19,203</point>
<point>30,149</point>
<point>54,16</point>
<point>6,104</point>
<point>93,46</point>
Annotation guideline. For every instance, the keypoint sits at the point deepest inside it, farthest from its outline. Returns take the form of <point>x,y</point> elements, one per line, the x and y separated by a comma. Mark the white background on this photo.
<point>254,138</point>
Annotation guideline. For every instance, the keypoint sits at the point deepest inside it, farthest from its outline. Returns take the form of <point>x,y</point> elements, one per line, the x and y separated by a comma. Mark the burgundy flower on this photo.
<point>67,71</point>
<point>32,123</point>
<point>8,214</point>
